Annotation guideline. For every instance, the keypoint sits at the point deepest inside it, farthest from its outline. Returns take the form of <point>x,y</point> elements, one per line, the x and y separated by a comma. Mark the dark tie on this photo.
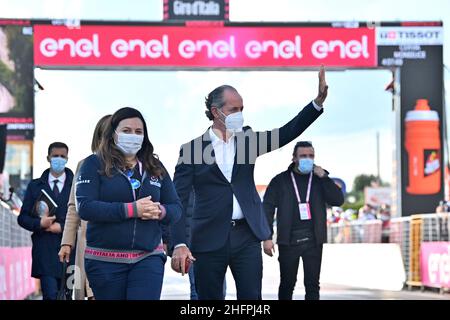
<point>55,188</point>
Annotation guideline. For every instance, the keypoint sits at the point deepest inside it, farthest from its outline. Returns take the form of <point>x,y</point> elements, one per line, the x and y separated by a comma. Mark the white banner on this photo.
<point>377,196</point>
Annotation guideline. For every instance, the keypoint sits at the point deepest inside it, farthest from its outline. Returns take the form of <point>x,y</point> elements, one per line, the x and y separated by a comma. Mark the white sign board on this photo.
<point>377,196</point>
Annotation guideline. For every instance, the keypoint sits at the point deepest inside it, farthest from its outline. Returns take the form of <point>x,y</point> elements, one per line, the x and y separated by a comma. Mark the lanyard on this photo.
<point>140,167</point>
<point>296,189</point>
<point>129,178</point>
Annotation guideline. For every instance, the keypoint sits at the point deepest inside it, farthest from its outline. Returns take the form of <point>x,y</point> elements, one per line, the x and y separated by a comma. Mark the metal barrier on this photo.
<point>415,239</point>
<point>11,234</point>
<point>399,233</point>
<point>355,232</point>
<point>435,227</point>
<point>431,227</point>
<point>16,282</point>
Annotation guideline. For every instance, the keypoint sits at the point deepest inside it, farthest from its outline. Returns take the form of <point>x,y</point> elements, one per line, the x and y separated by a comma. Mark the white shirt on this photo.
<point>61,179</point>
<point>318,108</point>
<point>225,153</point>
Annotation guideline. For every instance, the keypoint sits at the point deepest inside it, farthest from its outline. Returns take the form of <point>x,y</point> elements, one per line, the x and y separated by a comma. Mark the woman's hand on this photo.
<point>148,210</point>
<point>64,253</point>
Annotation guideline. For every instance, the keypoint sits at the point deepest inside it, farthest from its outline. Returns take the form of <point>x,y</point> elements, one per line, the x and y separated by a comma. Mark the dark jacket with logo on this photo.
<point>280,194</point>
<point>45,244</point>
<point>109,204</point>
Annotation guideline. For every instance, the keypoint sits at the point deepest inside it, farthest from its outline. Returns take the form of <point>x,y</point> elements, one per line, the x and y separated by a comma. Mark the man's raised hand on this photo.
<point>323,88</point>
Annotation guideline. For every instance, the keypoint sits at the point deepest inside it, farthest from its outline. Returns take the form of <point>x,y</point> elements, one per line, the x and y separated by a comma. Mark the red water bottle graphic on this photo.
<point>423,144</point>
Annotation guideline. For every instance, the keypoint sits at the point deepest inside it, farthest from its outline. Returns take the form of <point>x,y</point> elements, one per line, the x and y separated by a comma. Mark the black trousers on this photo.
<point>242,253</point>
<point>289,258</point>
<point>49,286</point>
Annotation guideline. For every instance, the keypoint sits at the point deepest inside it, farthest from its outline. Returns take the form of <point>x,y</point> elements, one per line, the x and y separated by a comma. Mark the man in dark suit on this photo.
<point>47,230</point>
<point>300,195</point>
<point>228,222</point>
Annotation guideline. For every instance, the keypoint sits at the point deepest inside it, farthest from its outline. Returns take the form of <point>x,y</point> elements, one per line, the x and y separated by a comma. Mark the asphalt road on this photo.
<point>176,287</point>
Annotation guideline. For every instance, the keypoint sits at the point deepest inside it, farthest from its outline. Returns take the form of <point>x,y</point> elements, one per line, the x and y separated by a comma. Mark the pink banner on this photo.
<point>435,264</point>
<point>203,47</point>
<point>15,273</point>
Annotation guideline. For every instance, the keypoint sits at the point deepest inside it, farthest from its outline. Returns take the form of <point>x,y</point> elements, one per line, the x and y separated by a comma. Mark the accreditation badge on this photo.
<point>305,212</point>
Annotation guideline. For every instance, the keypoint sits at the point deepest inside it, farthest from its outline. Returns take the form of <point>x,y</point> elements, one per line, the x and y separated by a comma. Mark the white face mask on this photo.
<point>234,121</point>
<point>128,143</point>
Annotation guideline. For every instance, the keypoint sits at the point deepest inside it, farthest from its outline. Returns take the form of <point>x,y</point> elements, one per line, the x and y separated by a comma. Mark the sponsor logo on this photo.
<point>82,182</point>
<point>409,35</point>
<point>154,48</point>
<point>439,267</point>
<point>352,49</point>
<point>432,163</point>
<point>20,126</point>
<point>204,47</point>
<point>155,181</point>
<point>84,48</point>
<point>196,8</point>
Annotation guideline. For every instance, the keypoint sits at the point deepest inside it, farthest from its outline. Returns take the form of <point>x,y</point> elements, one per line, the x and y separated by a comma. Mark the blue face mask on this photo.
<point>57,164</point>
<point>305,165</point>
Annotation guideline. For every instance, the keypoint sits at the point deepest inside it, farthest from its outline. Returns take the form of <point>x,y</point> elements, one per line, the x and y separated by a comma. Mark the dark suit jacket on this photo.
<point>280,194</point>
<point>166,230</point>
<point>45,244</point>
<point>197,170</point>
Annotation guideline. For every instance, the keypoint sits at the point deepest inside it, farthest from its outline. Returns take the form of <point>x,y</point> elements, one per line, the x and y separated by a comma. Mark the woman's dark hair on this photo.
<point>215,99</point>
<point>98,132</point>
<point>113,158</point>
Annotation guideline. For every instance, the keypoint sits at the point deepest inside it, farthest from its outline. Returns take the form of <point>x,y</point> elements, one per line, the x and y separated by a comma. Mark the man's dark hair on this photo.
<point>57,145</point>
<point>302,144</point>
<point>215,99</point>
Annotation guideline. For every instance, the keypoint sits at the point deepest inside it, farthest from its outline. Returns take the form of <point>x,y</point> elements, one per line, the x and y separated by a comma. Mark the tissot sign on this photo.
<point>388,36</point>
<point>191,47</point>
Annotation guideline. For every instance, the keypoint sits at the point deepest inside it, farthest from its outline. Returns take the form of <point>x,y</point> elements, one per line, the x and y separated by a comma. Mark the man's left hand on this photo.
<point>269,247</point>
<point>318,171</point>
<point>54,228</point>
<point>323,88</point>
